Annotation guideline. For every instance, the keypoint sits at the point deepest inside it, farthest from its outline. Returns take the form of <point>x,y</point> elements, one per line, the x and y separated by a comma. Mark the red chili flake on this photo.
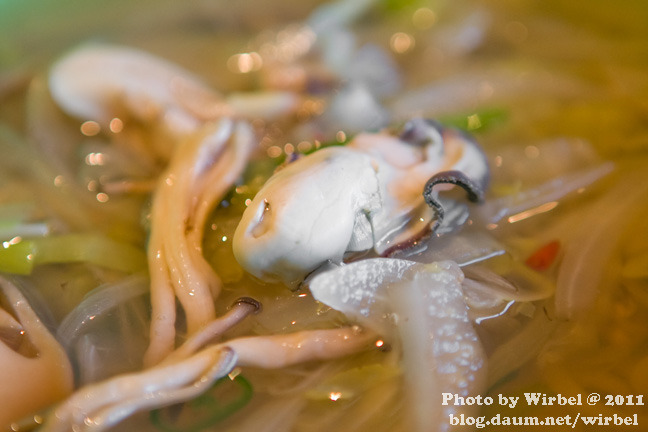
<point>544,256</point>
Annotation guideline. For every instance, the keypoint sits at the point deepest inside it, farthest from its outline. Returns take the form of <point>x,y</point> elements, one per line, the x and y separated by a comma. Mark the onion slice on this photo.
<point>423,307</point>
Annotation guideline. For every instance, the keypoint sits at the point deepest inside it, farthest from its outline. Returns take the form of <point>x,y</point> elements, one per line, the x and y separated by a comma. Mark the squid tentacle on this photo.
<point>473,188</point>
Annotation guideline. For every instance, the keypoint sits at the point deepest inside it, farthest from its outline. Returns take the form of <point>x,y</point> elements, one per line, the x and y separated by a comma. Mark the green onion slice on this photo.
<point>227,396</point>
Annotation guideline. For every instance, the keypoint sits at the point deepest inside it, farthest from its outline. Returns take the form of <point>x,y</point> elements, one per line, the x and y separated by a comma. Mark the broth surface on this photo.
<point>547,88</point>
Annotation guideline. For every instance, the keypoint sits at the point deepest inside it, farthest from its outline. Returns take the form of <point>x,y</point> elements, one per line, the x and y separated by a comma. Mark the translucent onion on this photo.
<point>467,247</point>
<point>551,191</point>
<point>596,237</point>
<point>519,349</point>
<point>111,318</point>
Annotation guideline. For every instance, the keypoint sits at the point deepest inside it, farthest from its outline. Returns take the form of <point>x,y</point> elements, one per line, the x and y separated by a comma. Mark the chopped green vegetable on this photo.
<point>476,121</point>
<point>259,168</point>
<point>227,396</point>
<point>339,141</point>
<point>398,5</point>
<point>19,256</point>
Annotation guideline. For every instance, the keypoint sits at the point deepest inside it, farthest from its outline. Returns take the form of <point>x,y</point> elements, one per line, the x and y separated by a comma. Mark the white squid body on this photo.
<point>365,195</point>
<point>98,82</point>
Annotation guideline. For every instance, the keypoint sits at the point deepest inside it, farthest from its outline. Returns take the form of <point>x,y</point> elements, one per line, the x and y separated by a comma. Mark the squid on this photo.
<point>194,367</point>
<point>99,82</point>
<point>211,144</point>
<point>34,368</point>
<point>380,192</point>
<point>421,308</point>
